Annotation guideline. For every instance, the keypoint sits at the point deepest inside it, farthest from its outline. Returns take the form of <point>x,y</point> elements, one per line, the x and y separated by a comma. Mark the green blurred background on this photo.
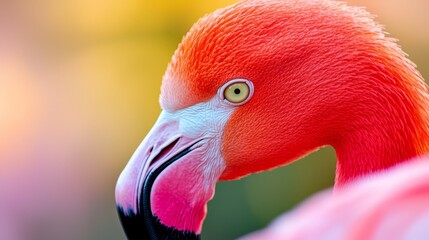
<point>79,85</point>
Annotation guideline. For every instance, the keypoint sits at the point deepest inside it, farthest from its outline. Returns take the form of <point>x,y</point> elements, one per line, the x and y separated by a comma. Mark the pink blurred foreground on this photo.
<point>390,205</point>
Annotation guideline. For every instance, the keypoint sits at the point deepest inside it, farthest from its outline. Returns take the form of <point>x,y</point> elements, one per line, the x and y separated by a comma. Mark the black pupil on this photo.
<point>237,91</point>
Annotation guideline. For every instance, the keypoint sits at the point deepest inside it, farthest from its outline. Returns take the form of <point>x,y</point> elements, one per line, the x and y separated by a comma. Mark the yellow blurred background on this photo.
<point>79,85</point>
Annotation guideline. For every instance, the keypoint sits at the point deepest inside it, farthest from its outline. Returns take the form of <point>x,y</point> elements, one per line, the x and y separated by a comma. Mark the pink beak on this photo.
<point>158,193</point>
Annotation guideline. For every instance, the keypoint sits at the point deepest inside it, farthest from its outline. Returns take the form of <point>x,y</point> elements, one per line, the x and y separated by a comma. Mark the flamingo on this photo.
<point>260,84</point>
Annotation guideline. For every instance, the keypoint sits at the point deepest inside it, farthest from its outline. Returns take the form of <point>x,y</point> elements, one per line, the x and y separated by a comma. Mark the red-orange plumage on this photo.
<point>324,74</point>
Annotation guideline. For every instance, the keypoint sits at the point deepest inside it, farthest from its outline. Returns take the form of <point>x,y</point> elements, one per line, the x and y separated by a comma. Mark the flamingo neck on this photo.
<point>374,149</point>
<point>388,126</point>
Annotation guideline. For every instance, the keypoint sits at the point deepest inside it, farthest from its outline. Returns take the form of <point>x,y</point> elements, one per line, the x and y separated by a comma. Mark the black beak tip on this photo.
<point>135,228</point>
<point>132,224</point>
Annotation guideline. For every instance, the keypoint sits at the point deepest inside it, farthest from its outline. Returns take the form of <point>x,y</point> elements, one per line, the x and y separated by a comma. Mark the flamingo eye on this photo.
<point>237,92</point>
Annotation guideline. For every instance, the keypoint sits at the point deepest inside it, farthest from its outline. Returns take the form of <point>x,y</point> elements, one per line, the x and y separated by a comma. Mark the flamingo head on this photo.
<point>251,87</point>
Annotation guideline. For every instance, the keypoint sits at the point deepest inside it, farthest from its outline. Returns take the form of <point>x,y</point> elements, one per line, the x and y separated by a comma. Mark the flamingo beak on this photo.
<point>163,191</point>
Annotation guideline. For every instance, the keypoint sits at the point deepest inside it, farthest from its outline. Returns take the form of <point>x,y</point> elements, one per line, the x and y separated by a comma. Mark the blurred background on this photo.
<point>79,85</point>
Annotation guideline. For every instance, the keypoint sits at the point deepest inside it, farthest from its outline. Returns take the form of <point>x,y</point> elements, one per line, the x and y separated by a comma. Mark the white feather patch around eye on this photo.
<point>202,119</point>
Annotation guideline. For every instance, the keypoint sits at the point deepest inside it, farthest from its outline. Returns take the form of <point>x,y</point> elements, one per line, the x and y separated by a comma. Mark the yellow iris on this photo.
<point>237,92</point>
